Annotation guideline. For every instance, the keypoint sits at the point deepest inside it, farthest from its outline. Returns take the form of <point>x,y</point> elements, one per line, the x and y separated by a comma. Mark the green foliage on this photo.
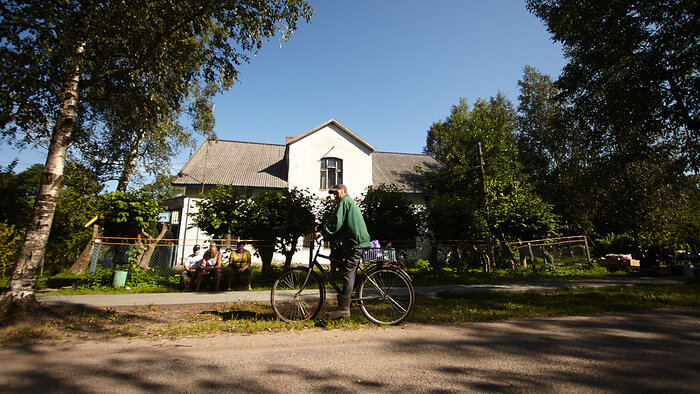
<point>515,210</point>
<point>10,244</point>
<point>222,211</point>
<point>274,219</point>
<point>283,217</point>
<point>18,192</point>
<point>389,214</point>
<point>641,191</point>
<point>632,75</point>
<point>77,204</point>
<point>455,218</point>
<point>517,213</point>
<point>141,61</point>
<point>70,67</point>
<point>138,280</point>
<point>161,188</point>
<point>324,210</point>
<point>454,142</point>
<point>126,214</point>
<point>100,279</point>
<point>548,140</point>
<point>614,243</point>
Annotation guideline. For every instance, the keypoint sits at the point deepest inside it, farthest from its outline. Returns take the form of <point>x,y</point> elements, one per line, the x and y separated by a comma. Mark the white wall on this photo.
<point>305,161</point>
<point>189,237</point>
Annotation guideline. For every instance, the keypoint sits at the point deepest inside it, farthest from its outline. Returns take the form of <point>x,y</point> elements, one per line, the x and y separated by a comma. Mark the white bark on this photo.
<point>22,285</point>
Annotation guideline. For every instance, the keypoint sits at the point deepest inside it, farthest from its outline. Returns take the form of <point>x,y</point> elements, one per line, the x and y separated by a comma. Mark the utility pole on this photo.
<point>483,181</point>
<point>489,241</point>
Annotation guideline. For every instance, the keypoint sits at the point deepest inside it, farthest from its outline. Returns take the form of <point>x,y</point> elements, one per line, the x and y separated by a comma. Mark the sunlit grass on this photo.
<point>154,322</point>
<point>422,275</point>
<point>502,305</point>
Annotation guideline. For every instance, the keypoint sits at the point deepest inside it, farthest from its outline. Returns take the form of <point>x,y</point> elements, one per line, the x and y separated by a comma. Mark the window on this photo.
<point>331,172</point>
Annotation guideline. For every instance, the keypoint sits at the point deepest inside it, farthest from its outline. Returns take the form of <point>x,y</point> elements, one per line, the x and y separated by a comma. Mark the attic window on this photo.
<point>331,172</point>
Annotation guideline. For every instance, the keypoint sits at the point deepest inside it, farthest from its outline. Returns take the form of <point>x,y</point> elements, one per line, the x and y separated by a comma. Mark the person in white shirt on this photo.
<point>211,265</point>
<point>192,266</point>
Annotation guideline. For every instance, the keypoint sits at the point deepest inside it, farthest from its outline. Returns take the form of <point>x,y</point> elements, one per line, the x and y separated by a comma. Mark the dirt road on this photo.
<point>649,351</point>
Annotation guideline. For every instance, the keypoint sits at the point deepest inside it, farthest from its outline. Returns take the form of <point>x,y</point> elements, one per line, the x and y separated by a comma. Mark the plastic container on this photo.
<point>119,279</point>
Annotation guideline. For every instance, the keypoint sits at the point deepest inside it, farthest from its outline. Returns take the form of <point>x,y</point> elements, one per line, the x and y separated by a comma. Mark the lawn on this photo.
<point>176,321</point>
<point>65,283</point>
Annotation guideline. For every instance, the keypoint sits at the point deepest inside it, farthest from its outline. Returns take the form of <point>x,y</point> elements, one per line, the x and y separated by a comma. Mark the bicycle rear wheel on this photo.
<point>289,303</point>
<point>386,296</point>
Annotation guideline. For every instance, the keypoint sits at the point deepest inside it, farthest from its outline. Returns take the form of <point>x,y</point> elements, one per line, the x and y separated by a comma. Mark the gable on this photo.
<point>332,141</point>
<point>340,129</point>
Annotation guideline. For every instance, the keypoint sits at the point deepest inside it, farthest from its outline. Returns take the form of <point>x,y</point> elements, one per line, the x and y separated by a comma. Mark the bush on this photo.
<point>420,267</point>
<point>614,243</point>
<point>100,279</point>
<point>10,243</point>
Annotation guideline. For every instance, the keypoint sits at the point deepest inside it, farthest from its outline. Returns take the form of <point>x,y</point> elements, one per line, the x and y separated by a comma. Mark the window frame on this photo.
<point>325,171</point>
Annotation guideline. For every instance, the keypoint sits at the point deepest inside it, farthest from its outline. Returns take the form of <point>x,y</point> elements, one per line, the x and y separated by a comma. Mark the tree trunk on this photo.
<point>22,285</point>
<point>130,162</point>
<point>266,253</point>
<point>83,260</point>
<point>288,254</point>
<point>152,242</point>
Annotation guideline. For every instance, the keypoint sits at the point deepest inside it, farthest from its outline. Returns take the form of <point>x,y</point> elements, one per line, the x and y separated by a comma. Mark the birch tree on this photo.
<point>64,60</point>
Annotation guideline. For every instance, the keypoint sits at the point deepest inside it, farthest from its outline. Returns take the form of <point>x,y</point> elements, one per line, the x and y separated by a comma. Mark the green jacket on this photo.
<point>349,226</point>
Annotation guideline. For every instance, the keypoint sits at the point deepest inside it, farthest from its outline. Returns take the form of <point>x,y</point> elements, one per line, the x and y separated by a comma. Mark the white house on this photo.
<point>315,160</point>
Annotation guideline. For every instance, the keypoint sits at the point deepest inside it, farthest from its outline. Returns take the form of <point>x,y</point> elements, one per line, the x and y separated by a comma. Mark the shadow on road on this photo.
<point>631,352</point>
<point>649,351</point>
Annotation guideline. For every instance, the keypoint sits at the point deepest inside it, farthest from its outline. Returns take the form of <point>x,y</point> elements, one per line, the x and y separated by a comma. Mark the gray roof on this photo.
<point>235,163</point>
<point>255,165</point>
<point>400,169</point>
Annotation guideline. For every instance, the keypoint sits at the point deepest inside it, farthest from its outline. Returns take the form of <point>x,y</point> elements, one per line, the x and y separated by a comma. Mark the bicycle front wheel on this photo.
<point>386,296</point>
<point>292,303</point>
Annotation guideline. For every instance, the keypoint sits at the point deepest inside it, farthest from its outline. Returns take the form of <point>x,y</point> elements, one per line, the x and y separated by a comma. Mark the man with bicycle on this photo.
<point>348,226</point>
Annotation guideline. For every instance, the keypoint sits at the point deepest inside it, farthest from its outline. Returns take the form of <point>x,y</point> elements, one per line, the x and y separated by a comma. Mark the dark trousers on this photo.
<point>208,271</point>
<point>348,269</point>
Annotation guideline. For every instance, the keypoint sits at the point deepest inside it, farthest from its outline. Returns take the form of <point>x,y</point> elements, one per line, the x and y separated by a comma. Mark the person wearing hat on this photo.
<point>348,226</point>
<point>193,264</point>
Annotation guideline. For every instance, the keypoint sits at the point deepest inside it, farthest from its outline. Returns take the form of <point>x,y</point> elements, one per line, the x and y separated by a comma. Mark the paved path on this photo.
<point>264,296</point>
<point>646,352</point>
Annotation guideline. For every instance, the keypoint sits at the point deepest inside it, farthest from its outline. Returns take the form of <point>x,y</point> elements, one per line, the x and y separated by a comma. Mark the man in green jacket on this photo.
<point>349,228</point>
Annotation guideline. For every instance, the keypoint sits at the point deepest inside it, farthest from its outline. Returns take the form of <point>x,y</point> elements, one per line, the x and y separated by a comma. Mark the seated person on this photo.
<point>193,264</point>
<point>211,265</point>
<point>239,264</point>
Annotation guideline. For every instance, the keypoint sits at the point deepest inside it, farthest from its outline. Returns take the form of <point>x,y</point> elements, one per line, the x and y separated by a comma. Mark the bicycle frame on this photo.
<point>313,263</point>
<point>383,290</point>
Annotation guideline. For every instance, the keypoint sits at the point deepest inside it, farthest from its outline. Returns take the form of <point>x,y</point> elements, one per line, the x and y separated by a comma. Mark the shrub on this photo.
<point>10,243</point>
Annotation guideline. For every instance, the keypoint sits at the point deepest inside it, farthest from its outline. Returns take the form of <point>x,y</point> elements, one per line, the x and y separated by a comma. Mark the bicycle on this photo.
<point>383,290</point>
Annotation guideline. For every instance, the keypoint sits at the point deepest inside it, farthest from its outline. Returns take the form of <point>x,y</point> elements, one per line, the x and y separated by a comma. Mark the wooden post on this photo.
<point>588,253</point>
<point>532,257</point>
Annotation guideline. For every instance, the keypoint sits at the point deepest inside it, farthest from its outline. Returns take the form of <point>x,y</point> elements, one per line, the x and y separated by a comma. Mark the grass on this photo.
<point>100,283</point>
<point>447,308</point>
<point>446,276</point>
<point>159,321</point>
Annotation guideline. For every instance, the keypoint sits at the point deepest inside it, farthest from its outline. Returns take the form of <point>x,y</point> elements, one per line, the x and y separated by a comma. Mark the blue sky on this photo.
<point>386,69</point>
